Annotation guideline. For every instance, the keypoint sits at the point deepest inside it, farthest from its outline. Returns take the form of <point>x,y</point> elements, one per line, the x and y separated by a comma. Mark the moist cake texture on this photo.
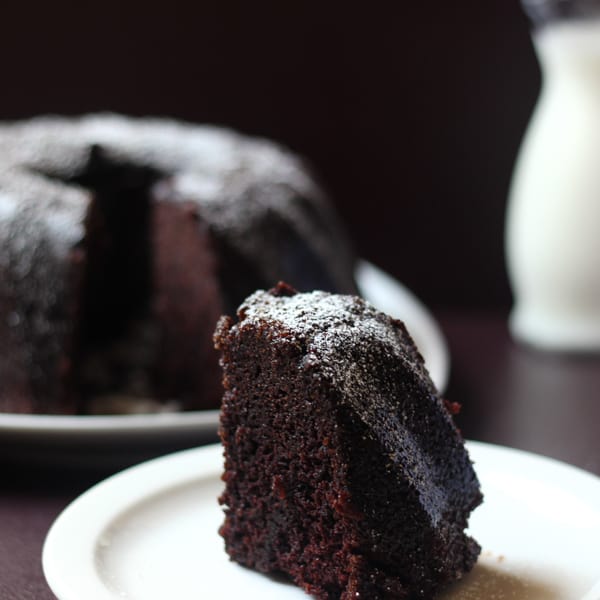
<point>344,470</point>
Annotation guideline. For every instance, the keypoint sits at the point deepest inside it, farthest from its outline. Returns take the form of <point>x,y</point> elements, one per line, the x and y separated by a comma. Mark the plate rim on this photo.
<point>108,502</point>
<point>147,422</point>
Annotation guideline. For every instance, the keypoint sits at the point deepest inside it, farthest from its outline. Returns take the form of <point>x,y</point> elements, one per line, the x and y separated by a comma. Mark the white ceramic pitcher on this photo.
<point>553,218</point>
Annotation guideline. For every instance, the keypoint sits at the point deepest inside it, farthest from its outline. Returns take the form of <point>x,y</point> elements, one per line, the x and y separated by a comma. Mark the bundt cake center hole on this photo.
<point>118,336</point>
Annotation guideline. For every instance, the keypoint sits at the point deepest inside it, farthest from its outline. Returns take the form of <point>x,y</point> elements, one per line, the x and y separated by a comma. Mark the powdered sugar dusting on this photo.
<point>331,323</point>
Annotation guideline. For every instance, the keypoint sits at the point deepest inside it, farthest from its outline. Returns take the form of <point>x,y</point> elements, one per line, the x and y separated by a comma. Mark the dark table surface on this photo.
<point>511,395</point>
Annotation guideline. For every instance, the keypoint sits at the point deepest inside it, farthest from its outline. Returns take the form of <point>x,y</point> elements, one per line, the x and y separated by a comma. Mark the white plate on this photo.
<point>127,439</point>
<point>151,533</point>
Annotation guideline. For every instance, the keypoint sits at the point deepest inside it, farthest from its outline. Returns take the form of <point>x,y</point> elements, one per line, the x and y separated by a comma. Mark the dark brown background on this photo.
<point>412,113</point>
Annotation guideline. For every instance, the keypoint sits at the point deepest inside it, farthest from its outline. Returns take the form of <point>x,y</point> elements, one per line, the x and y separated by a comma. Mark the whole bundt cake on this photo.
<point>344,470</point>
<point>122,241</point>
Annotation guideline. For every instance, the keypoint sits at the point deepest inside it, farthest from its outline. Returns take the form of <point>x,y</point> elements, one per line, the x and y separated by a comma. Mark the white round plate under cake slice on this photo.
<point>150,533</point>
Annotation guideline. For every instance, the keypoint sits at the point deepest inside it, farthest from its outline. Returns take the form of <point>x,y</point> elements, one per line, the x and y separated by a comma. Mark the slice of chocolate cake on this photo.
<point>344,470</point>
